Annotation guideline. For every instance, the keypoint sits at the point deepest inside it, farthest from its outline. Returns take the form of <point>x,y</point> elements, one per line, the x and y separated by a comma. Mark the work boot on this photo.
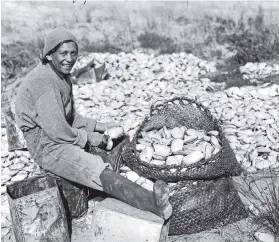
<point>156,201</point>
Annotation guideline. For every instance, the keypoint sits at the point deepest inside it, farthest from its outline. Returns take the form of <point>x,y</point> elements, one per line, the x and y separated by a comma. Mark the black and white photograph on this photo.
<point>139,121</point>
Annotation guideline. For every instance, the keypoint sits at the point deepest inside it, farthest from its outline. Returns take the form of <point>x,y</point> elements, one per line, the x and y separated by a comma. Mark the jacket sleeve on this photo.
<point>52,119</point>
<point>80,122</point>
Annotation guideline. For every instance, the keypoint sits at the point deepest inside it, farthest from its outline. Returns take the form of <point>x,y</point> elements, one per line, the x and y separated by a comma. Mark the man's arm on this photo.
<point>52,119</point>
<point>90,124</point>
<point>85,123</point>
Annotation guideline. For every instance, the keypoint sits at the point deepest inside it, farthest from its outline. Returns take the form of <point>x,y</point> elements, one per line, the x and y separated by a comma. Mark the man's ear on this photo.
<point>48,57</point>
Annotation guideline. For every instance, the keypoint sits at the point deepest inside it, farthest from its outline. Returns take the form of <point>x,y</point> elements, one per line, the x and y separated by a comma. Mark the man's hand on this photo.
<point>111,131</point>
<point>97,139</point>
<point>115,132</point>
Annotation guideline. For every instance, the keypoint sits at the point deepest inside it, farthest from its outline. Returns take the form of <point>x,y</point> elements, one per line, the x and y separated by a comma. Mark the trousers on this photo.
<point>66,160</point>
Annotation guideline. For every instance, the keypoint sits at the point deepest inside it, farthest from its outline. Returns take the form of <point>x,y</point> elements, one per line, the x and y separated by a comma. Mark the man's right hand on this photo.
<point>115,132</point>
<point>97,139</point>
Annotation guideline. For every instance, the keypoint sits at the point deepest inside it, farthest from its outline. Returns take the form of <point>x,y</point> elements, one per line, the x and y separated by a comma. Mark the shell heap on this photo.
<point>249,115</point>
<point>253,71</point>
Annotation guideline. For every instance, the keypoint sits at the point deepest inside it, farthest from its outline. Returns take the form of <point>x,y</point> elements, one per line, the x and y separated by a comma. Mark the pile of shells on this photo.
<point>258,70</point>
<point>131,100</point>
<point>16,166</point>
<point>250,120</point>
<point>137,77</point>
<point>138,66</point>
<point>177,146</point>
<point>249,115</point>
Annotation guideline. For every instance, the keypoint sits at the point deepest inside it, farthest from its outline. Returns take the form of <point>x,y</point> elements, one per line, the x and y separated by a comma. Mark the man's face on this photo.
<point>64,57</point>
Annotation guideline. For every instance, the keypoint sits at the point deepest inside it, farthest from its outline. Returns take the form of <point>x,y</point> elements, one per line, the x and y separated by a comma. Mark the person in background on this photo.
<point>55,133</point>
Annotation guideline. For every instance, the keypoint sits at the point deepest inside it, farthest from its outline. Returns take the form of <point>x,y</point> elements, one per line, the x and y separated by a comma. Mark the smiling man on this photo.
<point>56,135</point>
<point>54,132</point>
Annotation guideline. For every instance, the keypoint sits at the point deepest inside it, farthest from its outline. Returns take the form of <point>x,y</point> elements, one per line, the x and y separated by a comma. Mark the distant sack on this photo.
<point>15,137</point>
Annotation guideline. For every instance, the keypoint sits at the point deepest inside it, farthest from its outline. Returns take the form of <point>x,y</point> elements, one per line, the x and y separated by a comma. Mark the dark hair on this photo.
<point>44,60</point>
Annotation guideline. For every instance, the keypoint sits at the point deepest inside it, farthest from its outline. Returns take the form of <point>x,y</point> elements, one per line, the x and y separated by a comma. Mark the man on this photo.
<point>56,135</point>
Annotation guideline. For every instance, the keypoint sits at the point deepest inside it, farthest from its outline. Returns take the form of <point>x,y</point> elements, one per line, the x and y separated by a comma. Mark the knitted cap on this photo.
<point>55,37</point>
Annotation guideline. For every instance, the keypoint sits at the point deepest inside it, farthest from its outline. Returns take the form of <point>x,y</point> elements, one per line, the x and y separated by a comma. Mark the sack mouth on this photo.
<point>198,164</point>
<point>22,188</point>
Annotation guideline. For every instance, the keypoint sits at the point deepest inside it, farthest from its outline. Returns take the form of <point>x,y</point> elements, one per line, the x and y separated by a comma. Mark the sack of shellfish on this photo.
<point>204,204</point>
<point>179,140</point>
<point>198,205</point>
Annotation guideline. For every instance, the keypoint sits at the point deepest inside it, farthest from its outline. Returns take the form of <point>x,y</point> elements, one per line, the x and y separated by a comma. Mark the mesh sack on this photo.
<point>203,205</point>
<point>183,112</point>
